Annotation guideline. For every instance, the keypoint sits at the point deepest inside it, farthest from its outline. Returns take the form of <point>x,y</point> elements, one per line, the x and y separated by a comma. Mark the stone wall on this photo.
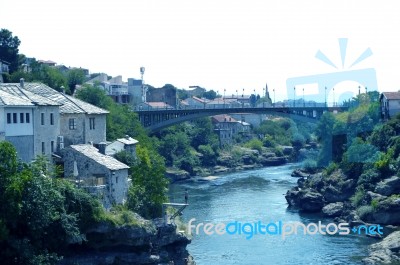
<point>116,181</point>
<point>98,134</point>
<point>46,133</point>
<point>76,136</point>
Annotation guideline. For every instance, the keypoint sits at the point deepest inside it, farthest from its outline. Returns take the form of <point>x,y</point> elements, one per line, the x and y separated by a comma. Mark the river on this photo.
<point>252,196</point>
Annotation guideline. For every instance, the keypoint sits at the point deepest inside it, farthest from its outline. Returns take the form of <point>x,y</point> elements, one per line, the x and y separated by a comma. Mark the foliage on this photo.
<point>9,45</point>
<point>254,144</point>
<point>210,94</point>
<point>358,197</point>
<point>35,207</point>
<point>149,186</point>
<point>75,77</point>
<point>209,156</point>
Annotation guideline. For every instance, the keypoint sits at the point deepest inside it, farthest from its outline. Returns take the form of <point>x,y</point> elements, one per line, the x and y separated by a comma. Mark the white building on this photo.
<point>80,122</point>
<point>390,104</point>
<point>31,122</point>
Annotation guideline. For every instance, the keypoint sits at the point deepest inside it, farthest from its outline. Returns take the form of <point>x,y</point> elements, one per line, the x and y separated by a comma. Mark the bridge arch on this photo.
<point>156,119</point>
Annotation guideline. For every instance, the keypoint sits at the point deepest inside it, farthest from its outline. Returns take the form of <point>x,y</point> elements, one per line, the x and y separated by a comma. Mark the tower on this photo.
<point>144,87</point>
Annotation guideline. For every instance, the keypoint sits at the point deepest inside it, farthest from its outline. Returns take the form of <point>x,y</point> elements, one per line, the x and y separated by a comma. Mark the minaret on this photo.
<point>268,98</point>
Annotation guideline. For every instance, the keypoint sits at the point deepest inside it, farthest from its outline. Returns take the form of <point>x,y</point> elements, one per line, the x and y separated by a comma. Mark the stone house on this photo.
<point>29,121</point>
<point>122,144</point>
<point>389,104</point>
<point>80,122</point>
<point>226,127</point>
<point>99,174</point>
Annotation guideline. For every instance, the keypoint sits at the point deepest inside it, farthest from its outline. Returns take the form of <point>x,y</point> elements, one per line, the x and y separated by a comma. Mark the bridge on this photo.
<point>157,119</point>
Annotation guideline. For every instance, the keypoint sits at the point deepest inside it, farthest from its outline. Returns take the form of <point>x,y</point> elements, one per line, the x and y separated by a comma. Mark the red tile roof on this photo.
<point>223,118</point>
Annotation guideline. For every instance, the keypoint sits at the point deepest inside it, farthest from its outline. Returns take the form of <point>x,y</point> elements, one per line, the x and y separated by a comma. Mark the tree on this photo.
<point>210,94</point>
<point>9,49</point>
<point>75,77</point>
<point>149,185</point>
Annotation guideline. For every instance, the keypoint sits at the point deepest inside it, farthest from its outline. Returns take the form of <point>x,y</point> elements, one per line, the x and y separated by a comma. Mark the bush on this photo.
<point>365,212</point>
<point>331,168</point>
<point>310,165</point>
<point>254,144</point>
<point>358,198</point>
<point>269,141</point>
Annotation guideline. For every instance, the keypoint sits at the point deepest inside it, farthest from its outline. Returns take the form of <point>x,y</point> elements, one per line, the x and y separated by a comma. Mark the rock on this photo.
<point>287,150</point>
<point>388,186</point>
<point>268,154</point>
<point>301,182</point>
<point>220,169</point>
<point>333,209</point>
<point>375,196</point>
<point>385,252</point>
<point>147,243</point>
<point>299,173</point>
<point>225,160</point>
<point>275,161</point>
<point>307,200</point>
<point>388,212</point>
<point>177,175</point>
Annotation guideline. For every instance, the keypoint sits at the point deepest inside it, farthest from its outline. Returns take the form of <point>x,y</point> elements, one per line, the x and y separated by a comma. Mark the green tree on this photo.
<point>9,45</point>
<point>75,77</point>
<point>149,185</point>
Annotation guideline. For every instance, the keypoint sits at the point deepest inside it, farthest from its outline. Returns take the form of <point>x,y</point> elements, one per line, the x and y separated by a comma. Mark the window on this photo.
<point>51,119</point>
<point>27,118</point>
<point>91,122</point>
<point>8,118</point>
<point>15,120</point>
<point>116,179</point>
<point>21,118</point>
<point>42,118</point>
<point>43,149</point>
<point>52,146</point>
<point>72,124</point>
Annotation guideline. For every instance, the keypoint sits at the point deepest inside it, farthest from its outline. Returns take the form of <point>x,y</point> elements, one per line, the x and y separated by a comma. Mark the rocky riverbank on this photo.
<point>336,196</point>
<point>147,242</point>
<point>238,159</point>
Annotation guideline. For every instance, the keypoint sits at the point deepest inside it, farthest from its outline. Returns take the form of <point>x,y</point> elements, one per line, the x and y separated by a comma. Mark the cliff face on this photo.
<point>151,243</point>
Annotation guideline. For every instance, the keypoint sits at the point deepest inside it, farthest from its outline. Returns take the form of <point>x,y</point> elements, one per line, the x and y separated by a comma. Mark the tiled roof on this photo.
<point>158,105</point>
<point>223,118</point>
<point>7,99</point>
<point>68,104</point>
<point>128,140</point>
<point>94,154</point>
<point>391,95</point>
<point>16,90</point>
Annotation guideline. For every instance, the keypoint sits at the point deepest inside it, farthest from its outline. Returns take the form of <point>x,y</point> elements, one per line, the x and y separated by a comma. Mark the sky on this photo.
<point>221,45</point>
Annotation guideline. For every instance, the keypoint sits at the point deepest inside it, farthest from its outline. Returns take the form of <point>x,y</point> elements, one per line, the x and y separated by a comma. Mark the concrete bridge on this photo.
<point>157,119</point>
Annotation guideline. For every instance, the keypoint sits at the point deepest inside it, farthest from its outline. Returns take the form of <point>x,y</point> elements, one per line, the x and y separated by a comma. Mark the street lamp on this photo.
<point>224,96</point>
<point>237,94</point>
<point>304,103</point>
<point>294,97</point>
<point>366,90</point>
<point>359,90</point>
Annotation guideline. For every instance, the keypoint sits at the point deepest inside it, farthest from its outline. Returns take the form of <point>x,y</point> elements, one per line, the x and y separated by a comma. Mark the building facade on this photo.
<point>389,104</point>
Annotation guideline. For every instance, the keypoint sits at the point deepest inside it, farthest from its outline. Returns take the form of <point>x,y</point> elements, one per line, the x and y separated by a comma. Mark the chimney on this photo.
<point>127,137</point>
<point>102,148</point>
<point>22,82</point>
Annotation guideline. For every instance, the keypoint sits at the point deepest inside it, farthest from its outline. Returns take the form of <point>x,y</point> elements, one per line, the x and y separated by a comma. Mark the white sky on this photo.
<point>214,44</point>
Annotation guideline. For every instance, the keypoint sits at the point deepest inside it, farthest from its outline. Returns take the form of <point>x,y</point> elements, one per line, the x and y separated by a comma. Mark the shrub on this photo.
<point>365,212</point>
<point>254,144</point>
<point>310,165</point>
<point>358,197</point>
<point>269,141</point>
